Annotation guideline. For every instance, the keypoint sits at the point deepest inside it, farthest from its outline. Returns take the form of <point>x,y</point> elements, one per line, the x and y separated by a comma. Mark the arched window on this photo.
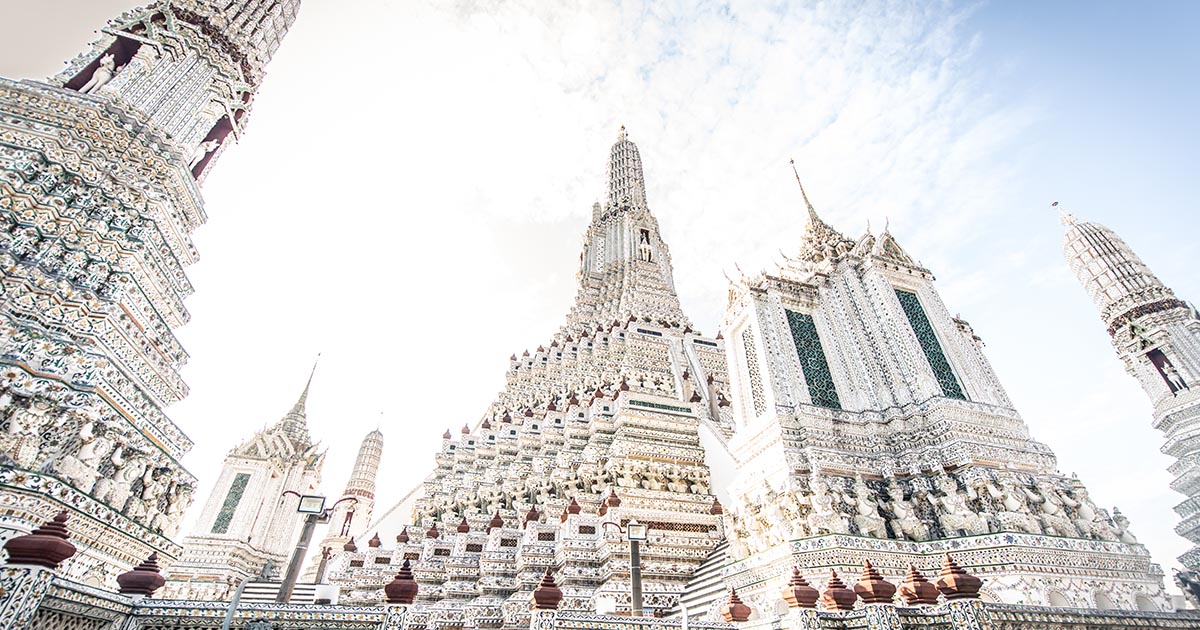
<point>1058,600</point>
<point>1145,604</point>
<point>1103,602</point>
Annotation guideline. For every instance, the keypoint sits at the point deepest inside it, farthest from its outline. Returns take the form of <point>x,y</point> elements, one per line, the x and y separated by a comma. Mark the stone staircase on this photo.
<point>706,586</point>
<point>266,592</point>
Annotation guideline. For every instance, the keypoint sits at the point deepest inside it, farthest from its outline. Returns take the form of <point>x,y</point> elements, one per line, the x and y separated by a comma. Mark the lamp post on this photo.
<point>314,507</point>
<point>636,533</point>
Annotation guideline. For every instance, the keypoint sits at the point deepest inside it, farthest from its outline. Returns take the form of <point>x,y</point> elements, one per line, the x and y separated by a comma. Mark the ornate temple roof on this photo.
<point>288,437</point>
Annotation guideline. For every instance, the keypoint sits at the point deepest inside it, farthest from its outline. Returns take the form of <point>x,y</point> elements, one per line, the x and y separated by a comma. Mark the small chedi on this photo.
<point>841,416</point>
<point>100,175</point>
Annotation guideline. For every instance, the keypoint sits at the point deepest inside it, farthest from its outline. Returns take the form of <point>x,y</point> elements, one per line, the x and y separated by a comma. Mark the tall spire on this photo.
<point>625,268</point>
<point>626,182</point>
<point>812,213</point>
<point>300,404</point>
<point>821,242</point>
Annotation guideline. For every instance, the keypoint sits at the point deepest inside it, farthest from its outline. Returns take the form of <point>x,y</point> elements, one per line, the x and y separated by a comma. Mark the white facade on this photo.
<point>248,521</point>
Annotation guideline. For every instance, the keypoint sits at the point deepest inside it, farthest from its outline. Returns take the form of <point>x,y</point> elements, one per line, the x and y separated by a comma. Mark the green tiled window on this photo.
<point>221,525</point>
<point>812,360</point>
<point>929,343</point>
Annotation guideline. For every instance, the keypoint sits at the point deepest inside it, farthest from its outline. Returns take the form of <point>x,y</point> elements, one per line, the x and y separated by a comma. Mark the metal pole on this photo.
<point>233,604</point>
<point>323,565</point>
<point>635,577</point>
<point>293,570</point>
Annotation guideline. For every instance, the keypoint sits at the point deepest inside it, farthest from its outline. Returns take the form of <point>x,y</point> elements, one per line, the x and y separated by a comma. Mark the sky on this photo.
<point>411,193</point>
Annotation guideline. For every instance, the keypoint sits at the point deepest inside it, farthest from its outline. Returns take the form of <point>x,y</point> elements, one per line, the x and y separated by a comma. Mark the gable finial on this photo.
<point>812,213</point>
<point>621,136</point>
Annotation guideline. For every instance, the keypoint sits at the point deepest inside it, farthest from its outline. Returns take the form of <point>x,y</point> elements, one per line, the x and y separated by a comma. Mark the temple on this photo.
<point>842,415</point>
<point>632,473</point>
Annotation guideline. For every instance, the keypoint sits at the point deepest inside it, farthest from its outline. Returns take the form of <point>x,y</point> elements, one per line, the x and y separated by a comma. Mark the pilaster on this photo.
<point>22,588</point>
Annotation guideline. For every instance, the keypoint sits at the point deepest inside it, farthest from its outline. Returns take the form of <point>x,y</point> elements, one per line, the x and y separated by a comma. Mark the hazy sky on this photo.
<point>410,196</point>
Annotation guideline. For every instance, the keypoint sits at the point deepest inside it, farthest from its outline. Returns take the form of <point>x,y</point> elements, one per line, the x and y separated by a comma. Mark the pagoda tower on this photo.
<point>100,168</point>
<point>247,521</point>
<point>1157,336</point>
<point>349,520</point>
<point>601,425</point>
<point>870,426</point>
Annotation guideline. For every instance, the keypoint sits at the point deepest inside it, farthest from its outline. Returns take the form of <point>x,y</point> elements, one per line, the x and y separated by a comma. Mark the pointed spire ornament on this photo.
<point>547,595</point>
<point>143,580</point>
<point>872,588</point>
<point>495,523</point>
<point>955,583</point>
<point>812,213</point>
<point>46,546</point>
<point>799,593</point>
<point>403,588</point>
<point>915,590</point>
<point>375,542</point>
<point>350,546</point>
<point>403,537</point>
<point>836,595</point>
<point>613,500</point>
<point>716,509</point>
<point>432,532</point>
<point>735,610</point>
<point>532,516</point>
<point>464,527</point>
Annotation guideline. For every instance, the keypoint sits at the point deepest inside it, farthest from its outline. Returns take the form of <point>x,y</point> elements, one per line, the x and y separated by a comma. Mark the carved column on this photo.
<point>22,588</point>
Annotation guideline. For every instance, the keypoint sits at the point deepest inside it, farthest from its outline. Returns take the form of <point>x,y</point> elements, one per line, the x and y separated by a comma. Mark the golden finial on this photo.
<point>621,136</point>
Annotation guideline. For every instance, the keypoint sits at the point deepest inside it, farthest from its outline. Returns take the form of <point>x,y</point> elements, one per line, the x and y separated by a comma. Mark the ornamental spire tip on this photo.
<point>812,213</point>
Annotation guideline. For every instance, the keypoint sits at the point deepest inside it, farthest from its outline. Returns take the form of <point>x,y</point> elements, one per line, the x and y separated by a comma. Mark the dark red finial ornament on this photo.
<point>915,590</point>
<point>799,593</point>
<point>872,588</point>
<point>836,595</point>
<point>403,588</point>
<point>143,580</point>
<point>547,595</point>
<point>47,546</point>
<point>735,610</point>
<point>955,583</point>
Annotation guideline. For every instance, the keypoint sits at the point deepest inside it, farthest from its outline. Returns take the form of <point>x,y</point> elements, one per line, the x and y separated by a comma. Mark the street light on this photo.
<point>636,533</point>
<point>314,506</point>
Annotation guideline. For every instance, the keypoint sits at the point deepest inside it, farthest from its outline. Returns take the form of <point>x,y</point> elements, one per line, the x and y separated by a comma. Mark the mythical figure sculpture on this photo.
<point>1015,513</point>
<point>1122,528</point>
<point>1055,518</point>
<point>103,74</point>
<point>202,151</point>
<point>1088,519</point>
<point>1173,376</point>
<point>868,520</point>
<point>824,517</point>
<point>23,438</point>
<point>906,523</point>
<point>955,515</point>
